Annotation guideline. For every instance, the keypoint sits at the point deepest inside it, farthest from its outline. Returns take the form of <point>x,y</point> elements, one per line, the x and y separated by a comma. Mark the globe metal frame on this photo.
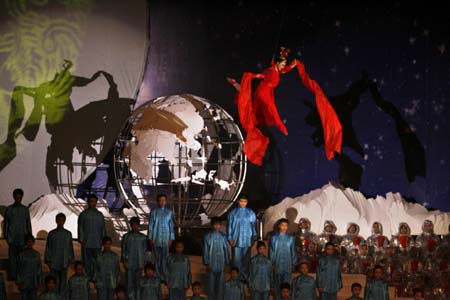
<point>186,208</point>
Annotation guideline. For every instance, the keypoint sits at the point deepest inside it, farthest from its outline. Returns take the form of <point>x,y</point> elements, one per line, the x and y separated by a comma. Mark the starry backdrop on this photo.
<point>401,48</point>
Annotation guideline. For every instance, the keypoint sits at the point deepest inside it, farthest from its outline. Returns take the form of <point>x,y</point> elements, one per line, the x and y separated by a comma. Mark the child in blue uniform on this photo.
<point>29,275</point>
<point>356,291</point>
<point>107,272</point>
<point>179,277</point>
<point>78,287</point>
<point>59,253</point>
<point>241,235</point>
<point>304,286</point>
<point>160,235</point>
<point>329,278</point>
<point>50,292</point>
<point>197,292</point>
<point>121,293</point>
<point>285,291</point>
<point>17,225</point>
<point>215,256</point>
<point>261,279</point>
<point>91,230</point>
<point>150,284</point>
<point>234,288</point>
<point>376,288</point>
<point>282,254</point>
<point>134,256</point>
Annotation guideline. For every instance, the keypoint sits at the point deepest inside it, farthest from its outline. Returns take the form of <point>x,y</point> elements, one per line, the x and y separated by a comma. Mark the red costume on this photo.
<point>259,109</point>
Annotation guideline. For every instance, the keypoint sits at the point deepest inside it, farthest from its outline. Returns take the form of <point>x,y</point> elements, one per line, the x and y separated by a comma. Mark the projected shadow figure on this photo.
<point>350,172</point>
<point>413,150</point>
<point>69,129</point>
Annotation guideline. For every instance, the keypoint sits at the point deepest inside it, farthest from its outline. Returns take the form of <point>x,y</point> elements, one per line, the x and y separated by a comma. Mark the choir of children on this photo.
<point>416,267</point>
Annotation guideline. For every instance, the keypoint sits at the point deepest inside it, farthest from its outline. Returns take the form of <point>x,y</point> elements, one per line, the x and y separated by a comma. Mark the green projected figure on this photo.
<point>51,99</point>
<point>68,128</point>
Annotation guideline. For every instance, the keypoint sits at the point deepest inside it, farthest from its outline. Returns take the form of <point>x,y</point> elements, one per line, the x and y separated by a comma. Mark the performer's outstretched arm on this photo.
<point>290,67</point>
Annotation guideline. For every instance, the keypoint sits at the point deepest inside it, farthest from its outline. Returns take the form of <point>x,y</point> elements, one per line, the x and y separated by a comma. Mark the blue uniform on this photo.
<point>329,277</point>
<point>260,279</point>
<point>179,276</point>
<point>376,290</point>
<point>17,225</point>
<point>29,275</point>
<point>283,256</point>
<point>150,288</point>
<point>304,288</point>
<point>91,230</point>
<point>234,290</point>
<point>160,231</point>
<point>242,231</point>
<point>50,296</point>
<point>215,256</point>
<point>107,274</point>
<point>59,253</point>
<point>78,287</point>
<point>134,256</point>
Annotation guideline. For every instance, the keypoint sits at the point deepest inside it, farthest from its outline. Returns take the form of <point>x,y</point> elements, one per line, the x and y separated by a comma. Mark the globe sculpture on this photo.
<point>186,147</point>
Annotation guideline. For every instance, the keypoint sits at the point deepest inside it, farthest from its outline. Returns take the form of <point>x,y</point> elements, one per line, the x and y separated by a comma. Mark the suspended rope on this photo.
<point>280,29</point>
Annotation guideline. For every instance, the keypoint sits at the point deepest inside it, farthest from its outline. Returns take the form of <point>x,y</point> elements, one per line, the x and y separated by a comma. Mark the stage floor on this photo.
<point>197,268</point>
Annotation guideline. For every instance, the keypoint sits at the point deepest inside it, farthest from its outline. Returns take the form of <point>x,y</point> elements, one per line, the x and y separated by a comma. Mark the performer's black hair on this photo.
<point>92,196</point>
<point>214,220</point>
<point>377,267</point>
<point>260,244</point>
<point>278,59</point>
<point>60,215</point>
<point>329,244</point>
<point>243,196</point>
<point>149,266</point>
<point>17,192</point>
<point>49,278</point>
<point>282,220</point>
<point>29,237</point>
<point>159,196</point>
<point>135,220</point>
<point>356,284</point>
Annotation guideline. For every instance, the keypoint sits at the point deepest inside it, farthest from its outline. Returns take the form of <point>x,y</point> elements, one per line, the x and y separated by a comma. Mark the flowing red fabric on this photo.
<point>332,128</point>
<point>255,144</point>
<point>259,109</point>
<point>266,112</point>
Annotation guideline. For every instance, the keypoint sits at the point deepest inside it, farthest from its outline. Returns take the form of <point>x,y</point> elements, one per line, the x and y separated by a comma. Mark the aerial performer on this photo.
<point>258,108</point>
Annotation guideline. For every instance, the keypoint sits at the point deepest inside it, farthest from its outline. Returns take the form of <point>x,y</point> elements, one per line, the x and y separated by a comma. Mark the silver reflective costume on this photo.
<point>351,241</point>
<point>427,241</point>
<point>304,237</point>
<point>328,236</point>
<point>403,241</point>
<point>377,241</point>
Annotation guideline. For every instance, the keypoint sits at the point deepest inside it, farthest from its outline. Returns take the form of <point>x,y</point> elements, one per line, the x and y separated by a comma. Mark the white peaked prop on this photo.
<point>344,206</point>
